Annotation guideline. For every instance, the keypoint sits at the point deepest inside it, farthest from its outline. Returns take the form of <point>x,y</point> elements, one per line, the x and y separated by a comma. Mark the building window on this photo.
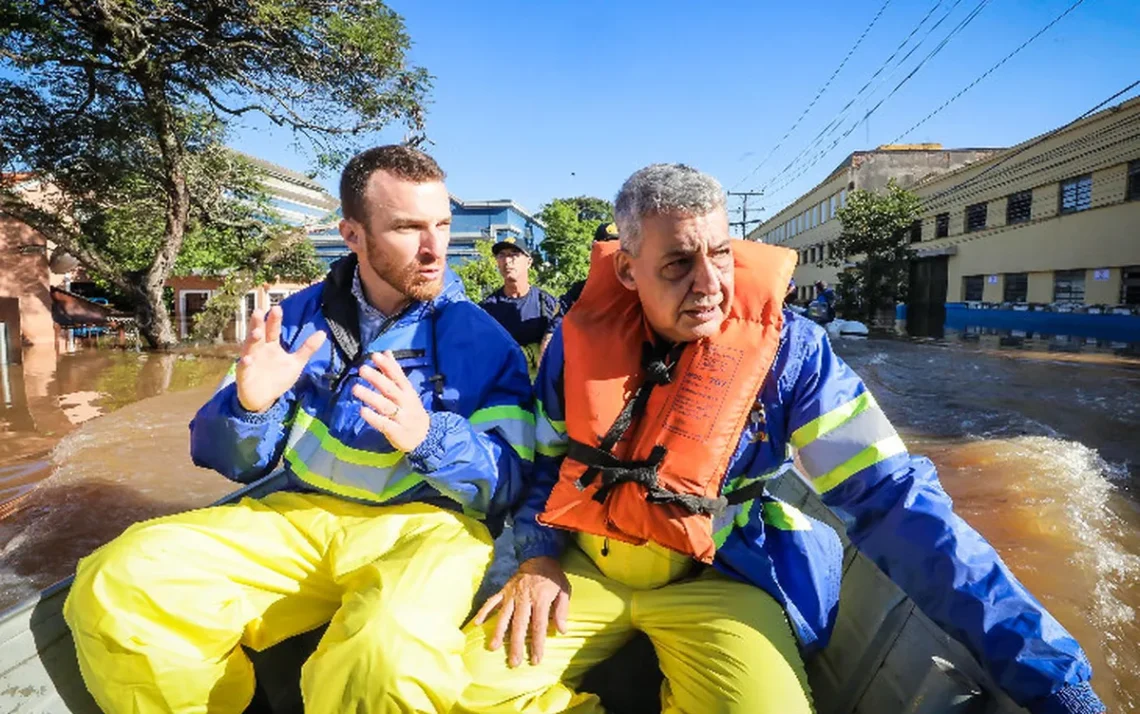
<point>976,217</point>
<point>834,202</point>
<point>1018,206</point>
<point>942,225</point>
<point>916,231</point>
<point>275,297</point>
<point>972,287</point>
<point>1130,285</point>
<point>843,198</point>
<point>1076,194</point>
<point>1132,191</point>
<point>1069,286</point>
<point>1016,287</point>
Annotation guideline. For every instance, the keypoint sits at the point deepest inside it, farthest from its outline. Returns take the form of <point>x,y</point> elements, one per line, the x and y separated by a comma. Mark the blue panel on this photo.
<point>1117,328</point>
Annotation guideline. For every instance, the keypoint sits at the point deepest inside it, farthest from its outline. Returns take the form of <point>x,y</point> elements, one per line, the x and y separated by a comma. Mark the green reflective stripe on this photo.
<point>736,516</point>
<point>515,424</point>
<point>298,467</point>
<point>559,426</point>
<point>821,425</point>
<point>744,480</point>
<point>785,517</point>
<point>553,451</point>
<point>846,441</point>
<point>873,454</point>
<point>501,413</point>
<point>550,435</point>
<point>307,422</point>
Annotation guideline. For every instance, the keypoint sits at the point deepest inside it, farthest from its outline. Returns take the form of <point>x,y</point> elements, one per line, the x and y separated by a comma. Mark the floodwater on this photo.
<point>1040,450</point>
<point>87,447</point>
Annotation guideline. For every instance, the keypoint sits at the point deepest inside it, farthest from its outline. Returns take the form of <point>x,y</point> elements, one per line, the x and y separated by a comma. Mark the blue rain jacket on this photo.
<point>471,377</point>
<point>896,510</point>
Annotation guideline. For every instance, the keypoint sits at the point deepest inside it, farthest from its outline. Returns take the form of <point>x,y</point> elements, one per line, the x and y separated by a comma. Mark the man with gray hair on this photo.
<point>668,397</point>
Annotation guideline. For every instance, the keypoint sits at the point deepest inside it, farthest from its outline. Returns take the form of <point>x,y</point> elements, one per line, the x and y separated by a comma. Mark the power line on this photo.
<point>837,120</point>
<point>944,199</point>
<point>1038,140</point>
<point>990,71</point>
<point>941,45</point>
<point>818,94</point>
<point>743,222</point>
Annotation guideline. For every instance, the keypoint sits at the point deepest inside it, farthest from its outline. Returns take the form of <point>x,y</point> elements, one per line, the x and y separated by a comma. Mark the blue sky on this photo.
<point>538,100</point>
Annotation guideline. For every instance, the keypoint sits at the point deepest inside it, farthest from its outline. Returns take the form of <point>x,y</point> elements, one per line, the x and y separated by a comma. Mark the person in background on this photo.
<point>605,232</point>
<point>827,295</point>
<point>527,312</point>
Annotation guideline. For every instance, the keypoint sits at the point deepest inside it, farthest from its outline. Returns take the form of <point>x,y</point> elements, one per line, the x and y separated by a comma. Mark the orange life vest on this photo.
<point>672,420</point>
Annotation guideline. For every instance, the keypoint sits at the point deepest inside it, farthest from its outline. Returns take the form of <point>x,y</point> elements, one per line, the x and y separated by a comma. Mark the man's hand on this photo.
<point>535,595</point>
<point>394,409</point>
<point>265,370</point>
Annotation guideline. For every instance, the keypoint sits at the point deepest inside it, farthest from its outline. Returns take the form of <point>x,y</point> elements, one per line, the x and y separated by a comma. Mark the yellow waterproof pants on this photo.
<point>160,615</point>
<point>723,646</point>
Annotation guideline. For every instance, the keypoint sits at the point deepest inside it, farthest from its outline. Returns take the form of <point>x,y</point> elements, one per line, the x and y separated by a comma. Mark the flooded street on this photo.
<point>70,481</point>
<point>1040,452</point>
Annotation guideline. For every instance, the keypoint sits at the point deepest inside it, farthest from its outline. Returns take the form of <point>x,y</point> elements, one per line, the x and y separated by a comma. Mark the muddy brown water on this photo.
<point>1041,453</point>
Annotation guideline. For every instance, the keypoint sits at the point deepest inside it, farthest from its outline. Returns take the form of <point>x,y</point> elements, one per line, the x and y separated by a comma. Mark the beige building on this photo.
<point>1054,220</point>
<point>1052,224</point>
<point>809,224</point>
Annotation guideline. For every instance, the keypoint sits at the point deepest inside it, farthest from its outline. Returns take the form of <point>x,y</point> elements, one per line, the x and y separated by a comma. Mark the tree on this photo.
<point>570,225</point>
<point>480,276</point>
<point>875,239</point>
<point>117,107</point>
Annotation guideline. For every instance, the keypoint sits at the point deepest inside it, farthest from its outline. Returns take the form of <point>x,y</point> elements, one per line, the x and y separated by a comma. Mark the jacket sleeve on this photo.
<point>481,460</point>
<point>533,539</point>
<point>902,519</point>
<point>242,446</point>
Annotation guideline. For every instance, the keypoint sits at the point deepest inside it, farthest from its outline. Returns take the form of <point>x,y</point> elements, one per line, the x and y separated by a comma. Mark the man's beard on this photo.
<point>406,278</point>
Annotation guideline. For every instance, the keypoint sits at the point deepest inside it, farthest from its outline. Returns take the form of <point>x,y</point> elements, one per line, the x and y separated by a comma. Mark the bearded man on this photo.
<point>401,452</point>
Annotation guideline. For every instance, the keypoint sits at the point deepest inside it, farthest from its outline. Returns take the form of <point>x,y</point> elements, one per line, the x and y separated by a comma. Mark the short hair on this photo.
<point>663,189</point>
<point>401,161</point>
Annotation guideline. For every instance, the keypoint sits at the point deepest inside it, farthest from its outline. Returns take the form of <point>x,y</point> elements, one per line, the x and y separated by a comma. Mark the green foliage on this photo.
<point>480,275</point>
<point>875,240</point>
<point>570,225</point>
<point>120,108</point>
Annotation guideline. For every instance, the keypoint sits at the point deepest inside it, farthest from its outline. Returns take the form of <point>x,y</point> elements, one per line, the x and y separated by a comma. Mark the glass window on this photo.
<point>1076,194</point>
<point>843,198</point>
<point>1018,207</point>
<point>972,287</point>
<point>1069,286</point>
<point>916,231</point>
<point>1132,191</point>
<point>1130,285</point>
<point>976,217</point>
<point>942,225</point>
<point>834,204</point>
<point>1016,287</point>
<point>275,297</point>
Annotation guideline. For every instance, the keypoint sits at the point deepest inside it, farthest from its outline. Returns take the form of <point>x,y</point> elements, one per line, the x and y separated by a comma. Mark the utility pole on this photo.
<point>743,222</point>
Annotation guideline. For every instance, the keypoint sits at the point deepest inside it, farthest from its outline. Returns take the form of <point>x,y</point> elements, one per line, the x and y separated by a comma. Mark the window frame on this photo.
<point>1076,181</point>
<point>969,224</point>
<point>942,225</point>
<point>966,284</point>
<point>1006,282</point>
<point>1022,203</point>
<point>1071,276</point>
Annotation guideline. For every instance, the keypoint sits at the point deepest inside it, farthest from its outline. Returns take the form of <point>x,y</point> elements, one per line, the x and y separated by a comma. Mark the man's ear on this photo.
<point>352,233</point>
<point>623,267</point>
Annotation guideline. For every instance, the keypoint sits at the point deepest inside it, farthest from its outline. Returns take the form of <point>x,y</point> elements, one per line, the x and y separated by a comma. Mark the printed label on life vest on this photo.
<point>703,391</point>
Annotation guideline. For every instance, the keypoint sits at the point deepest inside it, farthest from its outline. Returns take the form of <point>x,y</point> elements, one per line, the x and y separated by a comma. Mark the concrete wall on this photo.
<point>873,169</point>
<point>25,276</point>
